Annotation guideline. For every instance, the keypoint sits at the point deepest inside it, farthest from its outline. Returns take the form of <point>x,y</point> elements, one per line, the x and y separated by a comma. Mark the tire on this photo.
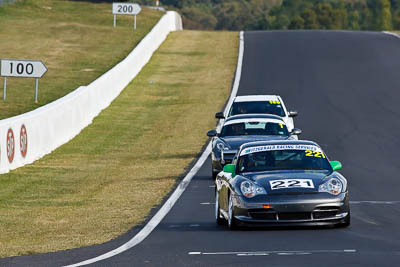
<point>219,219</point>
<point>232,224</point>
<point>214,174</point>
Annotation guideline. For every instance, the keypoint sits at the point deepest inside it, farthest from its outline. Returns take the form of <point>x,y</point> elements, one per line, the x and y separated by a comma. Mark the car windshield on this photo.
<point>283,160</point>
<point>254,128</point>
<point>257,107</point>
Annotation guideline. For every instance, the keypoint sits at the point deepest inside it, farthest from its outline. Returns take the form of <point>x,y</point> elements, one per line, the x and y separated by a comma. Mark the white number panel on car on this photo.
<point>291,183</point>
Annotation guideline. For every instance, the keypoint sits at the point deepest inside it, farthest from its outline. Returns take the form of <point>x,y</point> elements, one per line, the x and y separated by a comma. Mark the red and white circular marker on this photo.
<point>10,145</point>
<point>23,141</point>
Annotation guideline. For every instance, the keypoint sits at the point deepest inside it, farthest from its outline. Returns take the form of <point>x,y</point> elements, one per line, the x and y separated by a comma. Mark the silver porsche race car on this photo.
<point>281,182</point>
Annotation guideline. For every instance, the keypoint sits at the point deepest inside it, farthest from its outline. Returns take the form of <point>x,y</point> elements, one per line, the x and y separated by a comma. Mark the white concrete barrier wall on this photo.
<point>30,136</point>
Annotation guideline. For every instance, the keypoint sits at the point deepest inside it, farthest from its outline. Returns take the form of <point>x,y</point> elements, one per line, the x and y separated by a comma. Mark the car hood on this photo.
<point>263,179</point>
<point>235,142</point>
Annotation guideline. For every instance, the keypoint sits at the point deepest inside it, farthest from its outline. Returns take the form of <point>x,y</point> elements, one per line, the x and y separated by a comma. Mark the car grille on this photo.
<point>262,214</point>
<point>292,193</point>
<point>271,215</point>
<point>325,212</point>
<point>288,216</point>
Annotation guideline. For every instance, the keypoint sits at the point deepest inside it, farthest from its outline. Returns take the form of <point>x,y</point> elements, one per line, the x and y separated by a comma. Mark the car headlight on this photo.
<point>250,189</point>
<point>222,146</point>
<point>333,186</point>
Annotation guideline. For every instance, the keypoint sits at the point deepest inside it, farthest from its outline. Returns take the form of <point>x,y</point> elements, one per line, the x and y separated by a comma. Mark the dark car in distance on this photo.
<point>239,129</point>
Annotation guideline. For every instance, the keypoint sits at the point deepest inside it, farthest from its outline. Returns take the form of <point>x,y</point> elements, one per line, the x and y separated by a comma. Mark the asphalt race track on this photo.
<point>346,88</point>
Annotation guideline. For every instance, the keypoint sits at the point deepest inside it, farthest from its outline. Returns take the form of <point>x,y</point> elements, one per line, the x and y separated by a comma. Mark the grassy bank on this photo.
<point>76,41</point>
<point>108,178</point>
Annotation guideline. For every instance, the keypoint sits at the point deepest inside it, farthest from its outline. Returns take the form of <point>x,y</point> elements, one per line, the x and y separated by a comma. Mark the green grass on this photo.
<point>76,41</point>
<point>108,178</point>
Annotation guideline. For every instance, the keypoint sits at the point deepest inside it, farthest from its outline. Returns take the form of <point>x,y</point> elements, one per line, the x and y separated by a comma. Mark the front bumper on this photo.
<point>293,209</point>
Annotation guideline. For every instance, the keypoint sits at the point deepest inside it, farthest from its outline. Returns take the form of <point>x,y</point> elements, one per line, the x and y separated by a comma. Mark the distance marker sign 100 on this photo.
<point>24,69</point>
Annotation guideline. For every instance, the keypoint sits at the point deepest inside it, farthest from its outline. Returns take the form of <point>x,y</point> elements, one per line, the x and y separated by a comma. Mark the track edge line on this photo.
<point>157,218</point>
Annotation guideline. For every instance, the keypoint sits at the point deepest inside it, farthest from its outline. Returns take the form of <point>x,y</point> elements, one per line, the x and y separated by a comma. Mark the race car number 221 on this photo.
<point>291,183</point>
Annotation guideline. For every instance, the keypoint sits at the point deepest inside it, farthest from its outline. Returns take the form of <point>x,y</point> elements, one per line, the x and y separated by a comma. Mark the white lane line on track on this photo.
<point>207,203</point>
<point>375,202</point>
<point>253,254</point>
<point>174,226</point>
<point>391,33</point>
<point>149,227</point>
<point>163,211</point>
<point>266,253</point>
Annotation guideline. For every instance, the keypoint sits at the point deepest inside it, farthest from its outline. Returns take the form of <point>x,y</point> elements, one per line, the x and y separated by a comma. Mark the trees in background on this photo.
<point>288,14</point>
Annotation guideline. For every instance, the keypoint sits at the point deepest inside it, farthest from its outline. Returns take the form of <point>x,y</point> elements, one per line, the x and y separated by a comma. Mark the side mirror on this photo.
<point>336,165</point>
<point>296,131</point>
<point>292,113</point>
<point>230,168</point>
<point>212,133</point>
<point>219,115</point>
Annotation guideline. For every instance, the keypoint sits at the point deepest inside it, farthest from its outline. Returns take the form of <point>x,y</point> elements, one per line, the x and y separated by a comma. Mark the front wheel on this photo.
<point>232,224</point>
<point>218,216</point>
<point>214,174</point>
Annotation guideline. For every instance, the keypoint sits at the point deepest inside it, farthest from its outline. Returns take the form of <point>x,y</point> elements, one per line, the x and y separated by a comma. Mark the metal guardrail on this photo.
<point>154,7</point>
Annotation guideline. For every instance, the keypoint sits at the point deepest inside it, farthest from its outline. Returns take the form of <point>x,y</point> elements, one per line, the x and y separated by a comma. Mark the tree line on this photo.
<point>287,14</point>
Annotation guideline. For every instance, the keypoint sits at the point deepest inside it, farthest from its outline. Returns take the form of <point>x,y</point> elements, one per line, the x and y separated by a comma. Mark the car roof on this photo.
<point>254,116</point>
<point>279,142</point>
<point>248,98</point>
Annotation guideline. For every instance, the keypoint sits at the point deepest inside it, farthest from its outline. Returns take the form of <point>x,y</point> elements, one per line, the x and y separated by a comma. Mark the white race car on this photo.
<point>260,104</point>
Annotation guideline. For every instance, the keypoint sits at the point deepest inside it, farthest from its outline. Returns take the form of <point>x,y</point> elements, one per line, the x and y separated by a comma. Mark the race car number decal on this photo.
<point>316,154</point>
<point>291,183</point>
<point>276,102</point>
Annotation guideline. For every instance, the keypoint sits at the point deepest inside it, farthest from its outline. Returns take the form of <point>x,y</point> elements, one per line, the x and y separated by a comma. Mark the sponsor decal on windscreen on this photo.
<point>279,147</point>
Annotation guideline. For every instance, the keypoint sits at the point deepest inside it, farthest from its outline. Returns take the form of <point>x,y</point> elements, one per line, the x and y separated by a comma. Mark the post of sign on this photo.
<point>5,88</point>
<point>125,9</point>
<point>36,89</point>
<point>24,69</point>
